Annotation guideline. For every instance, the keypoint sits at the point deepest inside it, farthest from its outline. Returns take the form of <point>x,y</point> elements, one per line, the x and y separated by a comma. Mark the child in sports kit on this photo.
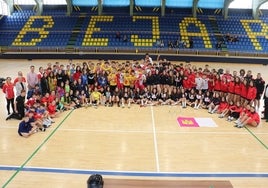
<point>67,101</point>
<point>112,79</point>
<point>234,111</point>
<point>154,97</point>
<point>116,96</point>
<point>60,89</point>
<point>43,115</point>
<point>252,118</point>
<point>55,107</point>
<point>75,98</point>
<point>95,97</point>
<point>199,99</point>
<point>224,87</point>
<point>237,89</point>
<point>215,102</point>
<point>83,98</point>
<point>120,79</point>
<point>217,83</point>
<point>175,96</point>
<point>126,98</point>
<point>137,96</point>
<point>206,100</point>
<point>184,96</point>
<point>252,92</point>
<point>231,89</point>
<point>223,107</point>
<point>244,91</point>
<point>244,113</point>
<point>191,98</point>
<point>26,128</point>
<point>164,96</point>
<point>108,97</point>
<point>145,97</point>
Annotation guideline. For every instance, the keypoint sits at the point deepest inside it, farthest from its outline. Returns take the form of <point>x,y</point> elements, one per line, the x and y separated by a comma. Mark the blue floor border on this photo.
<point>139,173</point>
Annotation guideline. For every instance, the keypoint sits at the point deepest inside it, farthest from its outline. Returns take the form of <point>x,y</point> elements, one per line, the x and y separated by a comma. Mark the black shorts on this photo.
<point>258,96</point>
<point>206,103</point>
<point>94,102</point>
<point>191,100</point>
<point>112,88</point>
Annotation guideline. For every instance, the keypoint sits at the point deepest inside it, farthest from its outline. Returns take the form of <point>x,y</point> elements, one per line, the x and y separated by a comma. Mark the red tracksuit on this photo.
<point>231,87</point>
<point>252,92</point>
<point>244,91</point>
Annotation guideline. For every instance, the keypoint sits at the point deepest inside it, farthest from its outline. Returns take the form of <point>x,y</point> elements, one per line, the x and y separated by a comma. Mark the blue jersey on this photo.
<point>24,127</point>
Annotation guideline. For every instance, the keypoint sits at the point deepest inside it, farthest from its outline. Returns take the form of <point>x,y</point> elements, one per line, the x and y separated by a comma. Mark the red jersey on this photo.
<point>30,102</point>
<point>255,117</point>
<point>51,109</point>
<point>120,80</point>
<point>231,87</point>
<point>37,116</point>
<point>76,76</point>
<point>186,83</point>
<point>191,78</point>
<point>44,100</point>
<point>252,92</point>
<point>51,98</point>
<point>224,87</point>
<point>237,88</point>
<point>210,85</point>
<point>244,91</point>
<point>217,85</point>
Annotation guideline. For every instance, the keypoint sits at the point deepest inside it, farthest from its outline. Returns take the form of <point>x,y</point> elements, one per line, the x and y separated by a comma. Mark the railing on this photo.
<point>131,50</point>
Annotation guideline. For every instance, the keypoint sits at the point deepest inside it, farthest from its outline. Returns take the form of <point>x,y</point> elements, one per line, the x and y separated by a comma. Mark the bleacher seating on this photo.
<point>55,29</point>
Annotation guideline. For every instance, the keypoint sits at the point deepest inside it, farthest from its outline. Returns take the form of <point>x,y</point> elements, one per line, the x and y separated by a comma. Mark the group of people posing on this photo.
<point>40,96</point>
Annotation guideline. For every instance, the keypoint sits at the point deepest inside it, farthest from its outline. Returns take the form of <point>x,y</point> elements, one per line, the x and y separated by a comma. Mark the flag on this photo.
<point>196,122</point>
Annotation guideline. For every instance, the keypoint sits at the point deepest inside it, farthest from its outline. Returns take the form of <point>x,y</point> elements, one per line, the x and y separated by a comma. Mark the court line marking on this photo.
<point>36,150</point>
<point>266,147</point>
<point>155,141</point>
<point>137,173</point>
<point>165,132</point>
<point>145,131</point>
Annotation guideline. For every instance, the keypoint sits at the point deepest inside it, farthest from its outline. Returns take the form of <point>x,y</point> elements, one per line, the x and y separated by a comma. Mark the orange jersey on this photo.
<point>126,81</point>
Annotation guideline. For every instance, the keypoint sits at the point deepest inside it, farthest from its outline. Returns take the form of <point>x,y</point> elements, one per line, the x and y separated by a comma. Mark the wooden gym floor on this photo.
<point>131,144</point>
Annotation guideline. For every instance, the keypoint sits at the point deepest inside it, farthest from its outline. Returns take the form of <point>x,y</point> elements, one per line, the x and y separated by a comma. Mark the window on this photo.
<point>54,2</point>
<point>24,2</point>
<point>241,4</point>
<point>3,8</point>
<point>264,6</point>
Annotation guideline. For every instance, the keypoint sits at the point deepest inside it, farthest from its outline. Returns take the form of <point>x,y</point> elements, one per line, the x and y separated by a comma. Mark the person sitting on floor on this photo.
<point>26,128</point>
<point>252,119</point>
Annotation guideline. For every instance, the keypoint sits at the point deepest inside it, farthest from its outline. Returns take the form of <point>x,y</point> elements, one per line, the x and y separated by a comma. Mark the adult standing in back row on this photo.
<point>8,89</point>
<point>32,80</point>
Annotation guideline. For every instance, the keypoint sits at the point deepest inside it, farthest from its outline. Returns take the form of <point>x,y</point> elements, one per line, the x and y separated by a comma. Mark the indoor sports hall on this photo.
<point>151,146</point>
